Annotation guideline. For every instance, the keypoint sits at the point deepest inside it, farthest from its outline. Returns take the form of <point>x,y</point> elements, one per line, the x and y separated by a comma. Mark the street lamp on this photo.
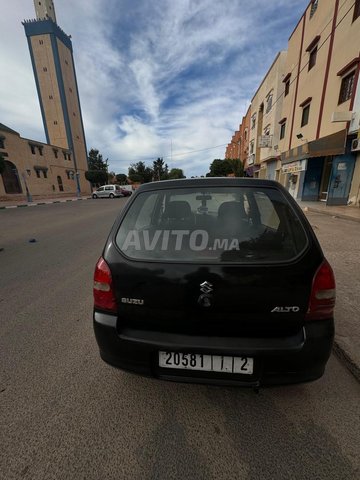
<point>77,174</point>
<point>28,194</point>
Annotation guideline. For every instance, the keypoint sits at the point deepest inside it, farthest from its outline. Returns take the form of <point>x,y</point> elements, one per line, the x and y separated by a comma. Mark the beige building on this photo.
<point>307,109</point>
<point>54,71</point>
<point>239,145</point>
<point>34,168</point>
<point>321,74</point>
<point>265,129</point>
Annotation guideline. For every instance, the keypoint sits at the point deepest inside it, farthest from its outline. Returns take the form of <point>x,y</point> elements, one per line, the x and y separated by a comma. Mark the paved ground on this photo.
<point>66,415</point>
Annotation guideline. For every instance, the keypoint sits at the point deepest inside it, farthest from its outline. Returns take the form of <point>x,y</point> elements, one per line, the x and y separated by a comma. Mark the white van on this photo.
<point>109,191</point>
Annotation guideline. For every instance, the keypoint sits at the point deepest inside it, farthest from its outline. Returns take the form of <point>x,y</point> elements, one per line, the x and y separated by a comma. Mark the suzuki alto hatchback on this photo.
<point>216,280</point>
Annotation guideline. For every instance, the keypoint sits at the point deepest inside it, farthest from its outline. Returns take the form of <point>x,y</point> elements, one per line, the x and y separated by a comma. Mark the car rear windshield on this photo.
<point>214,225</point>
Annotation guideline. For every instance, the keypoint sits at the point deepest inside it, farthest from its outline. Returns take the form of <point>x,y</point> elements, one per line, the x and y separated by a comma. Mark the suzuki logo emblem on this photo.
<point>205,299</point>
<point>206,287</point>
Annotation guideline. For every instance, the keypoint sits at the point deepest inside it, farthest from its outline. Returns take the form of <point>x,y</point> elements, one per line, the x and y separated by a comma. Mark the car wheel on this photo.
<point>94,195</point>
<point>111,195</point>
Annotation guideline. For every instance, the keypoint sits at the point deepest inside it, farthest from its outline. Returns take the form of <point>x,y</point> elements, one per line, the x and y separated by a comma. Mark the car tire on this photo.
<point>111,195</point>
<point>95,196</point>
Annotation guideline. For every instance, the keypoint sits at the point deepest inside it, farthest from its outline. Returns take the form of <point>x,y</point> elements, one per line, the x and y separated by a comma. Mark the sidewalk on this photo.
<point>40,201</point>
<point>343,211</point>
<point>347,333</point>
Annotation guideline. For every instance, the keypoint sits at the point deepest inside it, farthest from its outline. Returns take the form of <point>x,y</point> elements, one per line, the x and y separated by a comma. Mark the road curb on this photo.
<point>35,204</point>
<point>331,214</point>
<point>346,360</point>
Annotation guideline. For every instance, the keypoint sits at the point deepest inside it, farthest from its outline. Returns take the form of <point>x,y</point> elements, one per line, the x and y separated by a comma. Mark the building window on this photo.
<point>60,183</point>
<point>74,114</point>
<point>64,153</point>
<point>267,130</point>
<point>347,86</point>
<point>253,121</point>
<point>55,123</point>
<point>356,10</point>
<point>32,147</point>
<point>66,62</point>
<point>70,90</point>
<point>45,173</point>
<point>37,173</point>
<point>44,69</point>
<point>312,58</point>
<point>251,147</point>
<point>69,157</point>
<point>2,144</point>
<point>41,42</point>
<point>245,133</point>
<point>282,130</point>
<point>287,87</point>
<point>314,5</point>
<point>305,115</point>
<point>51,97</point>
<point>40,150</point>
<point>269,99</point>
<point>55,153</point>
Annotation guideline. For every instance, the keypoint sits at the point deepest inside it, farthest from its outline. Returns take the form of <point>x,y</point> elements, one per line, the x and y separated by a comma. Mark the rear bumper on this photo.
<point>298,358</point>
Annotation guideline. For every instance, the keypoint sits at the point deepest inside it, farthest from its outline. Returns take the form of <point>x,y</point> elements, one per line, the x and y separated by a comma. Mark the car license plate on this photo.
<point>206,363</point>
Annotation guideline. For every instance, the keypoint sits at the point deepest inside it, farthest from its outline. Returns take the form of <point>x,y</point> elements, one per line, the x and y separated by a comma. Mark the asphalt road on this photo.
<point>64,414</point>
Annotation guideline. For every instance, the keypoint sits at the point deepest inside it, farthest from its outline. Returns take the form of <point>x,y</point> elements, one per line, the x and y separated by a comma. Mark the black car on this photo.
<point>216,280</point>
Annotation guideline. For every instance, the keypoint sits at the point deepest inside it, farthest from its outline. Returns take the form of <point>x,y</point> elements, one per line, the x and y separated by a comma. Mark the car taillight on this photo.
<point>323,293</point>
<point>104,295</point>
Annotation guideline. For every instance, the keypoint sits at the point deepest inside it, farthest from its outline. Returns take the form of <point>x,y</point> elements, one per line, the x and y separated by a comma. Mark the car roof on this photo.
<point>210,182</point>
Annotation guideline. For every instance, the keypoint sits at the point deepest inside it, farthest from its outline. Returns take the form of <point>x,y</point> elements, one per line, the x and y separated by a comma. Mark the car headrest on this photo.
<point>178,209</point>
<point>232,210</point>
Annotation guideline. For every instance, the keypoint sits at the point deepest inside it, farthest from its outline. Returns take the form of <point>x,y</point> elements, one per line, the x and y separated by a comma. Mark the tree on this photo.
<point>219,168</point>
<point>160,169</point>
<point>111,177</point>
<point>176,173</point>
<point>121,178</point>
<point>236,166</point>
<point>141,172</point>
<point>2,164</point>
<point>96,162</point>
<point>136,178</point>
<point>98,168</point>
<point>96,177</point>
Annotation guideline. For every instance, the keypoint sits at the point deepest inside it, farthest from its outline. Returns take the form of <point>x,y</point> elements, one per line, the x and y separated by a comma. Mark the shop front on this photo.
<point>328,178</point>
<point>271,170</point>
<point>321,170</point>
<point>293,174</point>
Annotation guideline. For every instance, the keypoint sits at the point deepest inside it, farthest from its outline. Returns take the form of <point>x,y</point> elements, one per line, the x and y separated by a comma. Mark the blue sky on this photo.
<point>156,77</point>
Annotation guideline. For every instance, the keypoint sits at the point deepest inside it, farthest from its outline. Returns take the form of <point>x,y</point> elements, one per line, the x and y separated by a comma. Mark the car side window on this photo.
<point>146,212</point>
<point>108,188</point>
<point>101,189</point>
<point>268,216</point>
